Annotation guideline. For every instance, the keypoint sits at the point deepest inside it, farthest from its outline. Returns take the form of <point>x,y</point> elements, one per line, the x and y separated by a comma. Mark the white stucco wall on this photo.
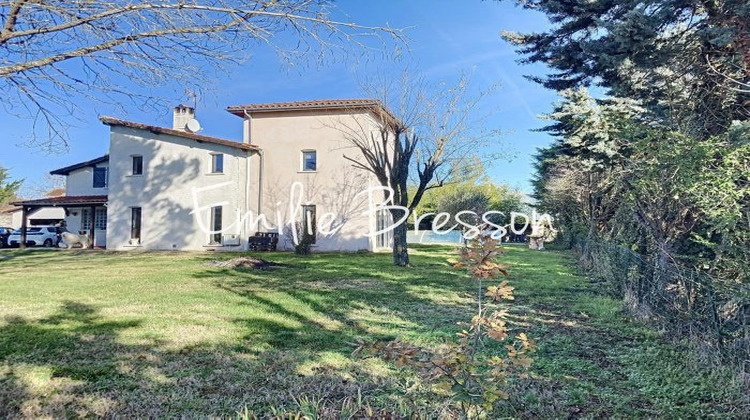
<point>173,167</point>
<point>333,187</point>
<point>17,219</point>
<point>81,182</point>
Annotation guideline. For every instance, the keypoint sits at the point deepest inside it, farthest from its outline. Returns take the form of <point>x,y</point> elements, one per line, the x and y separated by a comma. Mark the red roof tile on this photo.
<point>163,130</point>
<point>9,209</point>
<point>66,200</point>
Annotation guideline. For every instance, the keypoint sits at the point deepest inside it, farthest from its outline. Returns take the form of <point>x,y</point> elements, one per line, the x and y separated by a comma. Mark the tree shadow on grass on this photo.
<point>72,346</point>
<point>74,363</point>
<point>338,298</point>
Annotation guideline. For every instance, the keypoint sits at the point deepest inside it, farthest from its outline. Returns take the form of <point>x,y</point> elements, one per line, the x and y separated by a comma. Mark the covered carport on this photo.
<point>64,202</point>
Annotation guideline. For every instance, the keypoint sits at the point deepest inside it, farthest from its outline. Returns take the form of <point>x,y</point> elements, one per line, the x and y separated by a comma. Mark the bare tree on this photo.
<point>52,50</point>
<point>426,136</point>
<point>47,186</point>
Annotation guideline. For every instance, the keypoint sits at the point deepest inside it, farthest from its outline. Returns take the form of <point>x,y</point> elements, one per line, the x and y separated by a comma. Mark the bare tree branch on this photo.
<point>53,50</point>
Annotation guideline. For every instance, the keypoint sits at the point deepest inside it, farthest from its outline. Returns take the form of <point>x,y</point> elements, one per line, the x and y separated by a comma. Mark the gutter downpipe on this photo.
<point>247,196</point>
<point>261,170</point>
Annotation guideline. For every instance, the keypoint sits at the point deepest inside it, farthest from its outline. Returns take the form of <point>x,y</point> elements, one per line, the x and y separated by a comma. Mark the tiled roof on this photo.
<point>329,103</point>
<point>9,209</point>
<point>68,169</point>
<point>240,110</point>
<point>163,130</point>
<point>66,200</point>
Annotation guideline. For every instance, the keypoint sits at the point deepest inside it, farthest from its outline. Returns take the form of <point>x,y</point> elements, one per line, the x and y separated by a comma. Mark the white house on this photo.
<point>171,188</point>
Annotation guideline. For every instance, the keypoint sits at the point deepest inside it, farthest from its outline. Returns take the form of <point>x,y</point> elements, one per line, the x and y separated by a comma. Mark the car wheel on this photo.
<point>48,243</point>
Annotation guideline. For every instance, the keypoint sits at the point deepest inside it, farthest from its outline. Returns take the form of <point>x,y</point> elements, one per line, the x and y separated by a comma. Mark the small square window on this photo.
<point>217,163</point>
<point>309,161</point>
<point>137,165</point>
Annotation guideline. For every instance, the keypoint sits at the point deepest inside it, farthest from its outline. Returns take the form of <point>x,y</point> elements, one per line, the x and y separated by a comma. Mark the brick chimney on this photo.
<point>182,114</point>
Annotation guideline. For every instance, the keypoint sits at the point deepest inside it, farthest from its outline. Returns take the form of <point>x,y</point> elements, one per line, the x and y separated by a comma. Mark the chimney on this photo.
<point>182,114</point>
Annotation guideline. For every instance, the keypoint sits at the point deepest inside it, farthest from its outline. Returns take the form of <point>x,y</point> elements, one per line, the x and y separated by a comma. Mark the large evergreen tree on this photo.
<point>687,60</point>
<point>660,167</point>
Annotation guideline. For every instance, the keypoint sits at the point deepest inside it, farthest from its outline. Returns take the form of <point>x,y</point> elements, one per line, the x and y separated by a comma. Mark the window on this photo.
<point>309,161</point>
<point>215,225</point>
<point>100,219</point>
<point>217,163</point>
<point>85,219</point>
<point>100,177</point>
<point>309,225</point>
<point>135,224</point>
<point>137,165</point>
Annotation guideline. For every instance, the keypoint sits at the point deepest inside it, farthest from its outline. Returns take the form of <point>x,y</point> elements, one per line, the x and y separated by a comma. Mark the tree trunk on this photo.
<point>400,250</point>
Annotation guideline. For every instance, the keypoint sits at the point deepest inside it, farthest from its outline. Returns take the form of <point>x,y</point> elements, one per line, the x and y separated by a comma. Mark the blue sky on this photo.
<point>446,38</point>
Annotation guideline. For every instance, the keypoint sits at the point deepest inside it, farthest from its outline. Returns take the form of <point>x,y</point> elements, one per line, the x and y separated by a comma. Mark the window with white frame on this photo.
<point>309,161</point>
<point>216,223</point>
<point>217,163</point>
<point>100,219</point>
<point>135,224</point>
<point>137,161</point>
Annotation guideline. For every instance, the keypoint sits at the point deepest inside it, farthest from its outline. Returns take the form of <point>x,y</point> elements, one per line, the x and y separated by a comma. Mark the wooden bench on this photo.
<point>263,241</point>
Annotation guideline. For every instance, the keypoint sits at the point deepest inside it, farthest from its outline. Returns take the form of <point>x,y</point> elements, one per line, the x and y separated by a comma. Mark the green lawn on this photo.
<point>162,334</point>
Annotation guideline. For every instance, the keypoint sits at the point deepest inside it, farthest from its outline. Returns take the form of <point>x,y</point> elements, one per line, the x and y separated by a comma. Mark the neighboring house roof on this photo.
<point>68,169</point>
<point>64,201</point>
<point>163,130</point>
<point>373,104</point>
<point>9,209</point>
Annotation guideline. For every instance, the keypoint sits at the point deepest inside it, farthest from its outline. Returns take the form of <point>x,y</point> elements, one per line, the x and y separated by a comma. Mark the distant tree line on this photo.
<point>475,192</point>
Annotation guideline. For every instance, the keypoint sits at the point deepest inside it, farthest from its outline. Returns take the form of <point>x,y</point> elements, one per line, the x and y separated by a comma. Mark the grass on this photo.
<point>161,334</point>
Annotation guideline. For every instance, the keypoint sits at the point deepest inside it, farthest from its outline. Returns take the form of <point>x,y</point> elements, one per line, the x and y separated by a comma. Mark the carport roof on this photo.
<point>64,201</point>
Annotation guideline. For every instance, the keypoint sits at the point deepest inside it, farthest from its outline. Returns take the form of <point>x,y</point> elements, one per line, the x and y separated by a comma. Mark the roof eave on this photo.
<point>241,110</point>
<point>375,105</point>
<point>70,168</point>
<point>112,122</point>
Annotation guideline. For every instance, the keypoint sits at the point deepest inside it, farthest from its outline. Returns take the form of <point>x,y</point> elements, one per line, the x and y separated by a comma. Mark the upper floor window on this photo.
<point>217,163</point>
<point>100,177</point>
<point>137,165</point>
<point>309,161</point>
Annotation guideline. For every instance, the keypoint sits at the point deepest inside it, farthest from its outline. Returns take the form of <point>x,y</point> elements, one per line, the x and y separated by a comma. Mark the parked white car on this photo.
<point>47,236</point>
